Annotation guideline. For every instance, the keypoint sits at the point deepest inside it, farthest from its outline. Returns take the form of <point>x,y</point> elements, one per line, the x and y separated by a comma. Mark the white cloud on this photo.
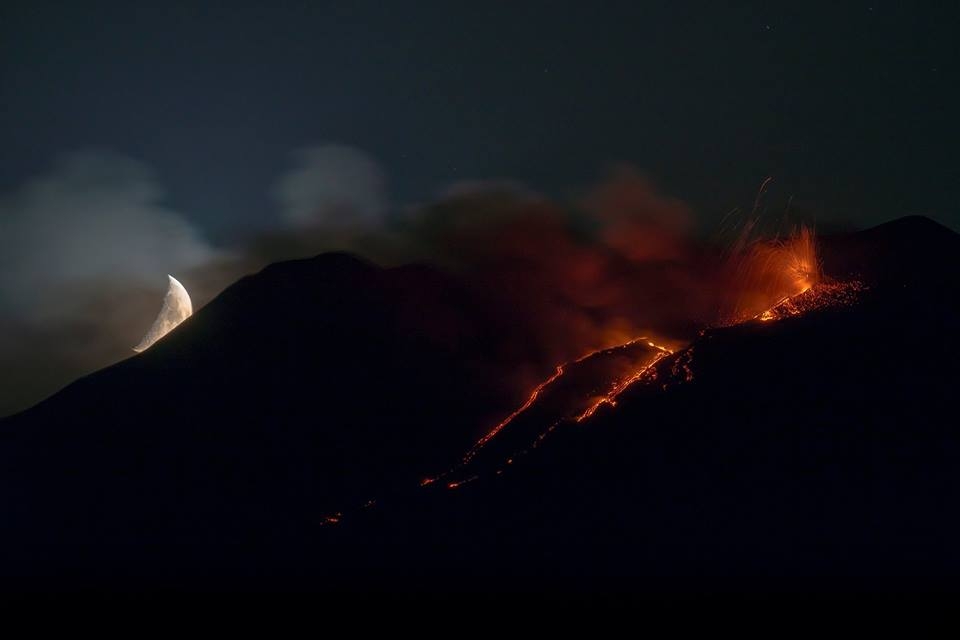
<point>334,186</point>
<point>94,218</point>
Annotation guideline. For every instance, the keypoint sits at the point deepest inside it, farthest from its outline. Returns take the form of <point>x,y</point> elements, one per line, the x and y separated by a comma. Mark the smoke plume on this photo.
<point>86,248</point>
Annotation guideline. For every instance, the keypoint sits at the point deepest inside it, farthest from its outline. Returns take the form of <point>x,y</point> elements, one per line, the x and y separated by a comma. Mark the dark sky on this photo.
<point>851,106</point>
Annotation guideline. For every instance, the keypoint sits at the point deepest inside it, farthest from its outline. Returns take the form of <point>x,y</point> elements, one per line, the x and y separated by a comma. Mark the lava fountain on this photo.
<point>766,273</point>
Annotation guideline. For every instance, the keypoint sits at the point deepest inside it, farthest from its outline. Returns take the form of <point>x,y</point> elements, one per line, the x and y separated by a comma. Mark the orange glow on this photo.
<point>769,272</point>
<point>460,483</point>
<point>611,396</point>
<point>776,280</point>
<point>808,297</point>
<point>819,296</point>
<point>682,364</point>
<point>530,400</point>
<point>333,518</point>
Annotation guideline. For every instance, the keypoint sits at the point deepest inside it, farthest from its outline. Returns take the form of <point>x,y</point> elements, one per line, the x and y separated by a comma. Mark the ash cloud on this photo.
<point>618,262</point>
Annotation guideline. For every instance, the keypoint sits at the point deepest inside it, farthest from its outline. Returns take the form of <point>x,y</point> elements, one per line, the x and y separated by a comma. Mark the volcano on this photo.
<point>329,422</point>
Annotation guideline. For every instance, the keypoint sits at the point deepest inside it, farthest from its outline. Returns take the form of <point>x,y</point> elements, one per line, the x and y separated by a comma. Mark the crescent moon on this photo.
<point>176,308</point>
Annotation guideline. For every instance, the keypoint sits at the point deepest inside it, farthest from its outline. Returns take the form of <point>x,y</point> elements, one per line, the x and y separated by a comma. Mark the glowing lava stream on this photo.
<point>818,296</point>
<point>792,264</point>
<point>608,398</point>
<point>526,405</point>
<point>611,397</point>
<point>568,396</point>
<point>809,298</point>
<point>773,313</point>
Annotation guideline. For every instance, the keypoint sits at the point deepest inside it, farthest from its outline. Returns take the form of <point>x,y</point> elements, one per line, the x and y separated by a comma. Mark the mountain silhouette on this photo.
<point>816,452</point>
<point>821,445</point>
<point>309,385</point>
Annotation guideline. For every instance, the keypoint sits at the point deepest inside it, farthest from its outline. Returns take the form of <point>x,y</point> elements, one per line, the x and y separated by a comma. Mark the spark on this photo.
<point>769,272</point>
<point>760,192</point>
<point>333,518</point>
<point>459,483</point>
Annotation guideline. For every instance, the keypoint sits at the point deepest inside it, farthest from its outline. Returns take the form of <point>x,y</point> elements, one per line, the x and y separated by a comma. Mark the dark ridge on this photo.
<point>906,249</point>
<point>327,265</point>
<point>917,226</point>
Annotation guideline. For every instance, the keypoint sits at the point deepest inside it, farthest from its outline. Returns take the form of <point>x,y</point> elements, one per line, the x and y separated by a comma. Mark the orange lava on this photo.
<point>608,398</point>
<point>460,483</point>
<point>768,272</point>
<point>530,400</point>
<point>819,296</point>
<point>611,397</point>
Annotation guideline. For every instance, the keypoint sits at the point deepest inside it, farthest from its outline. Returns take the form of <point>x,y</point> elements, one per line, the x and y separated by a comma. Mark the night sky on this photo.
<point>141,139</point>
<point>851,106</point>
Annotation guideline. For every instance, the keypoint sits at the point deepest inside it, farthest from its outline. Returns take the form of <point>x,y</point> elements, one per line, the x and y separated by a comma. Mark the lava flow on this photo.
<point>785,271</point>
<point>820,296</point>
<point>526,405</point>
<point>611,397</point>
<point>774,280</point>
<point>582,403</point>
<point>572,394</point>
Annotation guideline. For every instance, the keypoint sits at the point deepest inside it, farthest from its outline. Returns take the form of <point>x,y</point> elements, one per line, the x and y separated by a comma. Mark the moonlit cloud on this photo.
<point>95,218</point>
<point>84,252</point>
<point>333,186</point>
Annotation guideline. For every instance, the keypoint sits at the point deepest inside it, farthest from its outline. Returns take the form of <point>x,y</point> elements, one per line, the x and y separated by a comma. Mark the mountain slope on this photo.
<point>307,386</point>
<point>814,446</point>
